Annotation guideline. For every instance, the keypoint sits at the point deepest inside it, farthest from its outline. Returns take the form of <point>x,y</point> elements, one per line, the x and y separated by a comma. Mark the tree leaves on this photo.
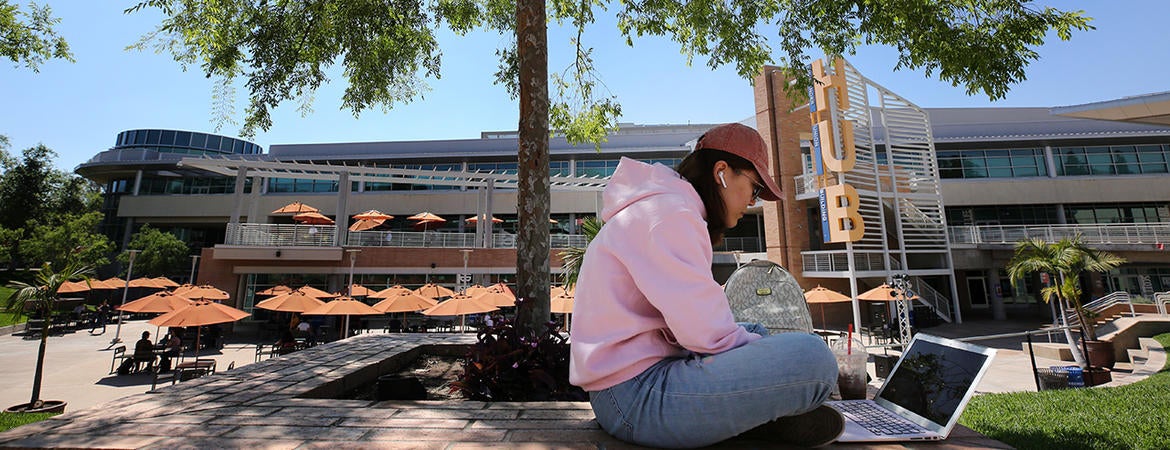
<point>28,37</point>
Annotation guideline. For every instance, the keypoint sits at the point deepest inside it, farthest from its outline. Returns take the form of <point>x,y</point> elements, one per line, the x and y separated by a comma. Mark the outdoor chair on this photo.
<point>119,355</point>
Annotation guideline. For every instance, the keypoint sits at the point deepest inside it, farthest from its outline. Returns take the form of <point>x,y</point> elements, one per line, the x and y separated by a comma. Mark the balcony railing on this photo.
<point>284,235</point>
<point>838,261</point>
<point>1117,234</point>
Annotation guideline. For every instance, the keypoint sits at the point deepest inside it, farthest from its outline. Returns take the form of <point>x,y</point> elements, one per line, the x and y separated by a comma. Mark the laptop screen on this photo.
<point>932,379</point>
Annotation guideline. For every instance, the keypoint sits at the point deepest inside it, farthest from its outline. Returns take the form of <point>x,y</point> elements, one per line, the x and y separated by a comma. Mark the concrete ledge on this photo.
<point>264,405</point>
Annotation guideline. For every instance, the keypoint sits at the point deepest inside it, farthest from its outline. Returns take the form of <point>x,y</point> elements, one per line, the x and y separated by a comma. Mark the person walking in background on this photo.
<point>103,315</point>
<point>654,340</point>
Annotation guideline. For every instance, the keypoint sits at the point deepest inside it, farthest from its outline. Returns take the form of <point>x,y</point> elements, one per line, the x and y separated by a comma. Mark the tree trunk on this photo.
<point>40,370</point>
<point>532,247</point>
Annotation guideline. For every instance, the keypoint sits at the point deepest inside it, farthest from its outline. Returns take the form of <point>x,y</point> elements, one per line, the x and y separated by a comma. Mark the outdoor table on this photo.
<point>198,368</point>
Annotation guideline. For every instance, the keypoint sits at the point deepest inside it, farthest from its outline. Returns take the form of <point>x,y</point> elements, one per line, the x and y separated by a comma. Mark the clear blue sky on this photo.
<point>77,109</point>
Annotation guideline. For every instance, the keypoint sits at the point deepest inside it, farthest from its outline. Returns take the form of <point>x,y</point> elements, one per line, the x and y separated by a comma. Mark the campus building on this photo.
<point>971,183</point>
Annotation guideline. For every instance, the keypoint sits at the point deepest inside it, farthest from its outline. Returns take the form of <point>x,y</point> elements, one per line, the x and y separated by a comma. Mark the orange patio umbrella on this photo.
<point>343,306</point>
<point>475,290</point>
<point>883,293</point>
<point>313,218</point>
<point>275,290</point>
<point>146,282</point>
<point>314,292</point>
<point>166,282</point>
<point>159,302</point>
<point>562,304</point>
<point>365,224</point>
<point>205,292</point>
<point>295,208</point>
<point>292,301</point>
<point>357,290</point>
<point>821,295</point>
<point>426,219</point>
<point>391,291</point>
<point>503,288</point>
<point>72,287</point>
<point>495,298</point>
<point>459,305</point>
<point>431,290</point>
<point>404,301</point>
<point>373,214</point>
<point>475,219</point>
<point>109,283</point>
<point>199,314</point>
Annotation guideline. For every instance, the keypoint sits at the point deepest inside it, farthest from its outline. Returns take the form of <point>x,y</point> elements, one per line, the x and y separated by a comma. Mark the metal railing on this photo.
<point>1095,307</point>
<point>1160,300</point>
<point>286,235</point>
<point>838,261</point>
<point>741,244</point>
<point>281,235</point>
<point>932,298</point>
<point>1129,233</point>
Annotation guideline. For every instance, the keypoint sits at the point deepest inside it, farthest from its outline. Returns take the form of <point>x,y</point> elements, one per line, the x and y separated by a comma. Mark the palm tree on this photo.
<point>1067,259</point>
<point>574,256</point>
<point>42,297</point>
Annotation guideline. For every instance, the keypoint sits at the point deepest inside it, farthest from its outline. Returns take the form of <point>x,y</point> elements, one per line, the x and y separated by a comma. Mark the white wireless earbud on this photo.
<point>722,180</point>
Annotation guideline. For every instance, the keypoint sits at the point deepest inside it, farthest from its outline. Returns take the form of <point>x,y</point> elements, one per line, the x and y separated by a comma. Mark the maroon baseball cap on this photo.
<point>745,142</point>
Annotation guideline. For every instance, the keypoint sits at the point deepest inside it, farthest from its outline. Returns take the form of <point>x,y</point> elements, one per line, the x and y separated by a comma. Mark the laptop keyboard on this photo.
<point>877,420</point>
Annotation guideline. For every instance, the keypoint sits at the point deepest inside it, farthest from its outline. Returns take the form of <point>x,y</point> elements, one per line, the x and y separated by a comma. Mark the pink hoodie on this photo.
<point>645,291</point>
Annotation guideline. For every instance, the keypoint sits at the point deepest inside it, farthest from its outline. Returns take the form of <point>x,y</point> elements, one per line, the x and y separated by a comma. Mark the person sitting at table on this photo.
<point>287,343</point>
<point>173,347</point>
<point>144,351</point>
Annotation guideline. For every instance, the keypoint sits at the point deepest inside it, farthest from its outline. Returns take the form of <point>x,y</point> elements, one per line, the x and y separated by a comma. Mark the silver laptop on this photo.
<point>924,395</point>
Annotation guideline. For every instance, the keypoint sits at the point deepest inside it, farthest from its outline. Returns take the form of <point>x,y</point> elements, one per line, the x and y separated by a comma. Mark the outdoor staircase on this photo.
<point>1149,358</point>
<point>931,297</point>
<point>1106,309</point>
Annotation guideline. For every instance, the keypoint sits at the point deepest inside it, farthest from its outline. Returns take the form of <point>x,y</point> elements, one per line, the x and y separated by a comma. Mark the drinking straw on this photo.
<point>849,346</point>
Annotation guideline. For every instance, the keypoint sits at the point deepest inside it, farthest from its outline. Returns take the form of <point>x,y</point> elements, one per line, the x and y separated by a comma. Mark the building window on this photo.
<point>1008,163</point>
<point>1112,160</point>
<point>1089,214</point>
<point>1001,215</point>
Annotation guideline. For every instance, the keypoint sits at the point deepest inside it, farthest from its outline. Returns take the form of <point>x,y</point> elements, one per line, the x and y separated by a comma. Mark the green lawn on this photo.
<point>9,421</point>
<point>8,318</point>
<point>1132,416</point>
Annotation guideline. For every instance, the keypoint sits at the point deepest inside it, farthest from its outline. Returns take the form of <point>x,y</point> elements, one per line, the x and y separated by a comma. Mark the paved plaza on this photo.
<point>279,403</point>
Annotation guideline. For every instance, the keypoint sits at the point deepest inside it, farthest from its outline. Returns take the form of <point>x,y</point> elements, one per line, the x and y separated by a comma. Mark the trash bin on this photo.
<point>1076,376</point>
<point>1052,378</point>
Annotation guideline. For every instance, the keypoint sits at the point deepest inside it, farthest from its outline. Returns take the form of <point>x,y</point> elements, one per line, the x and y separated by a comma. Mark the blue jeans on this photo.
<point>700,400</point>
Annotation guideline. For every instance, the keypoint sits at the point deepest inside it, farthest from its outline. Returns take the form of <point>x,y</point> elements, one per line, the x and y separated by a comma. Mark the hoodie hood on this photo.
<point>635,180</point>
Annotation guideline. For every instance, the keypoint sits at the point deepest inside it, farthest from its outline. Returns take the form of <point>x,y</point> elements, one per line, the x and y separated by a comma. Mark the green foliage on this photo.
<point>40,295</point>
<point>1089,418</point>
<point>68,239</point>
<point>1067,259</point>
<point>8,244</point>
<point>162,253</point>
<point>9,421</point>
<point>572,257</point>
<point>507,364</point>
<point>26,185</point>
<point>27,37</point>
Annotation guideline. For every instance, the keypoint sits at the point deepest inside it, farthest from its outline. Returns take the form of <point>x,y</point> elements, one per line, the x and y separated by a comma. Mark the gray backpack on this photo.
<point>763,292</point>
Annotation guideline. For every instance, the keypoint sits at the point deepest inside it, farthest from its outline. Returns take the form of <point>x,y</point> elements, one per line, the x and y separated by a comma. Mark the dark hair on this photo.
<point>696,168</point>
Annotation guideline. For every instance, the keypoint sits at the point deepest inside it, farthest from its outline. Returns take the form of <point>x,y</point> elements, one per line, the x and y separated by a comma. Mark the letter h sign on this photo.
<point>834,153</point>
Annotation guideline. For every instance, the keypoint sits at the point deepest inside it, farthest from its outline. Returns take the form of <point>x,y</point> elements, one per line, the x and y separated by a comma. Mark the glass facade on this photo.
<point>1002,215</point>
<point>1006,163</point>
<point>185,142</point>
<point>1111,160</point>
<point>1069,161</point>
<point>1117,213</point>
<point>1075,214</point>
<point>605,167</point>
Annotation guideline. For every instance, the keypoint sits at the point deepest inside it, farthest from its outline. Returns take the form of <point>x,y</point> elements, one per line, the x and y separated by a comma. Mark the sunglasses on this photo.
<point>756,189</point>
